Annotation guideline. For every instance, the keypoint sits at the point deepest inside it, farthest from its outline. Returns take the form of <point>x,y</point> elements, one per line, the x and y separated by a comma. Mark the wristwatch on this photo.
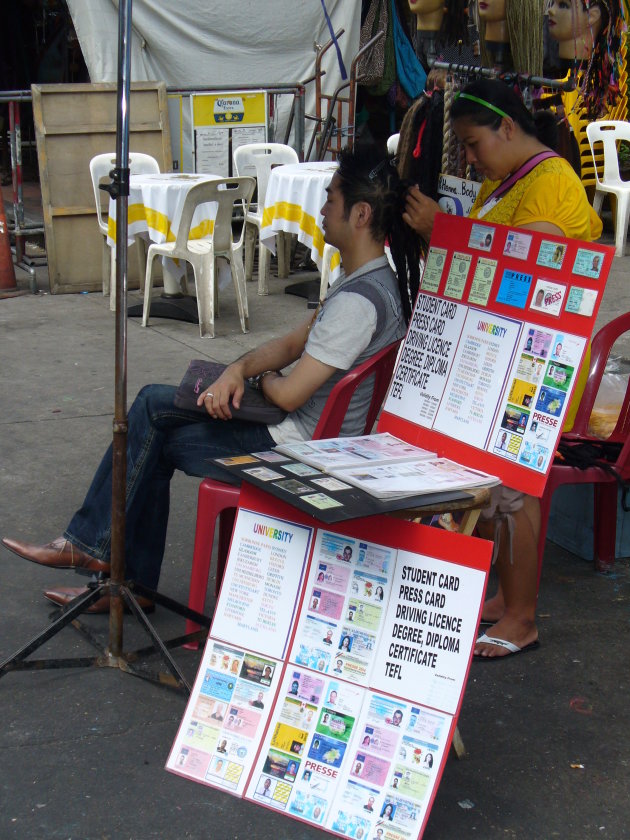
<point>256,381</point>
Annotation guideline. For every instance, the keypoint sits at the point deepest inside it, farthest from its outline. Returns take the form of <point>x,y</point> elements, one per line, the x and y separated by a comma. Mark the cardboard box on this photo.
<point>571,521</point>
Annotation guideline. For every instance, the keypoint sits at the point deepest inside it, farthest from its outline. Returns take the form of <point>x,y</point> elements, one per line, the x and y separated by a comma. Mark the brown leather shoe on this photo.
<point>59,554</point>
<point>64,595</point>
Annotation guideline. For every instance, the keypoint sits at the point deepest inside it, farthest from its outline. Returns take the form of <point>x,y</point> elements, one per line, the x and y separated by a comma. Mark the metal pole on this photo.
<point>15,134</point>
<point>119,465</point>
<point>507,76</point>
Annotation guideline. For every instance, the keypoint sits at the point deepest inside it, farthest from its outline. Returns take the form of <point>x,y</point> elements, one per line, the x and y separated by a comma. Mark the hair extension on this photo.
<point>420,143</point>
<point>525,30</point>
<point>366,176</point>
<point>599,80</point>
<point>454,26</point>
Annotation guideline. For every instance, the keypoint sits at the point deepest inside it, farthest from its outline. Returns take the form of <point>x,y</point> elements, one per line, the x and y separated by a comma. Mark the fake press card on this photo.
<point>344,608</point>
<point>392,771</point>
<point>493,351</point>
<point>307,745</point>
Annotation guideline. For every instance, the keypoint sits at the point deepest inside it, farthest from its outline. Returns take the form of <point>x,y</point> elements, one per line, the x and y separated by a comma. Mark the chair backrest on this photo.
<point>392,144</point>
<point>102,165</point>
<point>381,366</point>
<point>261,157</point>
<point>600,351</point>
<point>608,132</point>
<point>225,191</point>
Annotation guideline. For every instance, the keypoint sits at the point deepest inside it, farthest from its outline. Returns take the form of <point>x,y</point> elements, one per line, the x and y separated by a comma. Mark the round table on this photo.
<point>295,195</point>
<point>154,210</point>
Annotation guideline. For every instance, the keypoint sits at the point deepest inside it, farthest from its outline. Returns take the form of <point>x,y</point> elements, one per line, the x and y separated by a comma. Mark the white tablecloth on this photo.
<point>154,210</point>
<point>295,195</point>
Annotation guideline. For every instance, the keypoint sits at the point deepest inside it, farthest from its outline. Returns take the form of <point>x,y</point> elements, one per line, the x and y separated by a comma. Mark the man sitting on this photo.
<point>367,309</point>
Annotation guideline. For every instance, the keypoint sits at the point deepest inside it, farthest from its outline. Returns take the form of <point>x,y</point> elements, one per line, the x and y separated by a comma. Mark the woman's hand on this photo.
<point>216,398</point>
<point>420,212</point>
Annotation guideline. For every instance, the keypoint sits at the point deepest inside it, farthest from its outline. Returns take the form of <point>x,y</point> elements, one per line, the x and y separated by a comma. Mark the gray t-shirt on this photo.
<point>348,330</point>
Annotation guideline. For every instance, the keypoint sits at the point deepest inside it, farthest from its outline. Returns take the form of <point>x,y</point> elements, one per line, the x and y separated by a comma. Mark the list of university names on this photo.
<point>472,379</point>
<point>256,585</point>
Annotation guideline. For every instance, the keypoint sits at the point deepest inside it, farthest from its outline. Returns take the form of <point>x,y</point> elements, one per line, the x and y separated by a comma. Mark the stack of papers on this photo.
<point>385,466</point>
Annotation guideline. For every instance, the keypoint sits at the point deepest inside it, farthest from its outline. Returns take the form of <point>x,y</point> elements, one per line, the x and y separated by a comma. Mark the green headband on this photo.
<point>484,103</point>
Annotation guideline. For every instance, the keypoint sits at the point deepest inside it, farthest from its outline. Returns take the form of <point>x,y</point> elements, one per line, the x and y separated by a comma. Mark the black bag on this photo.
<point>254,406</point>
<point>594,453</point>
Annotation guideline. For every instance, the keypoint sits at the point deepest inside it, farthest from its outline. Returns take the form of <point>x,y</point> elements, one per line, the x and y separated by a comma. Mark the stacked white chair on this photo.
<point>100,167</point>
<point>609,133</point>
<point>259,159</point>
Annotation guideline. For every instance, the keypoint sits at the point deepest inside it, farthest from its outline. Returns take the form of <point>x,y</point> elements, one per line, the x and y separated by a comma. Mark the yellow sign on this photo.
<point>229,109</point>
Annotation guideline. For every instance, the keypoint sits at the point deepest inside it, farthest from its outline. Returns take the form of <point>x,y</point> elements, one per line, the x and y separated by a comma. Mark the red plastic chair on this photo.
<point>218,499</point>
<point>604,484</point>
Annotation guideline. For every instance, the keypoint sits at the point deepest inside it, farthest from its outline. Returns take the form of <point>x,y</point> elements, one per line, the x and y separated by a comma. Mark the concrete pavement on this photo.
<point>82,751</point>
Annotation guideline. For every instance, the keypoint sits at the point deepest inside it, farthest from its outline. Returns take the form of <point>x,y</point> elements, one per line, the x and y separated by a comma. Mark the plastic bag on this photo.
<point>608,404</point>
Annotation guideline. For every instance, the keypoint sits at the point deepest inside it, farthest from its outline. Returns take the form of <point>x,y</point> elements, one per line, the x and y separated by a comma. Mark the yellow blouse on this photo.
<point>551,192</point>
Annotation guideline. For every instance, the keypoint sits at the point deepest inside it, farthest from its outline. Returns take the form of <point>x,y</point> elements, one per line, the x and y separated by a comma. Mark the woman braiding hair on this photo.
<point>526,185</point>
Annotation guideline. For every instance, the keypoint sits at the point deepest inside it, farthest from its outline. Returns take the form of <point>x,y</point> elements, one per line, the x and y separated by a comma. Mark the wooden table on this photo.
<point>471,507</point>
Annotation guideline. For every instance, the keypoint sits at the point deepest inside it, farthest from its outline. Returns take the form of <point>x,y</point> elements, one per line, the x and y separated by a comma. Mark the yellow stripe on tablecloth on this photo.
<point>335,261</point>
<point>306,222</point>
<point>135,213</point>
<point>159,222</point>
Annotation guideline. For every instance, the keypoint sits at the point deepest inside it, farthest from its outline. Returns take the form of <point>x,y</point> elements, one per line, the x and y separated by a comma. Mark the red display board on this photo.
<point>335,668</point>
<point>494,347</point>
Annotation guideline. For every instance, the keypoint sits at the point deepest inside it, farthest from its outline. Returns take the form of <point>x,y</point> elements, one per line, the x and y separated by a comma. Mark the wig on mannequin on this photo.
<point>525,29</point>
<point>454,23</point>
<point>599,79</point>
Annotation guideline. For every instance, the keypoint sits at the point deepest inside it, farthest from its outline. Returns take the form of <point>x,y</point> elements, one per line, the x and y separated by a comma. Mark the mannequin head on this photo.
<point>448,17</point>
<point>493,17</point>
<point>429,14</point>
<point>596,50</point>
<point>575,25</point>
<point>439,23</point>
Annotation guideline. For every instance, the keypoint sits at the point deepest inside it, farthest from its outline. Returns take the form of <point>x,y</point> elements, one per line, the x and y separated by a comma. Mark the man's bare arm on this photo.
<point>292,391</point>
<point>273,355</point>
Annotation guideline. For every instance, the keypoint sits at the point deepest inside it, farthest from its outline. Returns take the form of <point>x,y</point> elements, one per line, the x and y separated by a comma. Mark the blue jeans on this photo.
<point>160,439</point>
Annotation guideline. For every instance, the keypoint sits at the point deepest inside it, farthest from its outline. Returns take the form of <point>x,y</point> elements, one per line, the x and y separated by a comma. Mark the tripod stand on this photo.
<point>120,591</point>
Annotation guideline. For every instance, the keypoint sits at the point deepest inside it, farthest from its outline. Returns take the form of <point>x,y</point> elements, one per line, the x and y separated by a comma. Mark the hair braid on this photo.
<point>366,176</point>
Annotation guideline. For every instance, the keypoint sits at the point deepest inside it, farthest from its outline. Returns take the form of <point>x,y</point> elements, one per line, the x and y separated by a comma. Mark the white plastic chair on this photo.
<point>100,167</point>
<point>609,132</point>
<point>392,144</point>
<point>324,282</point>
<point>259,158</point>
<point>202,253</point>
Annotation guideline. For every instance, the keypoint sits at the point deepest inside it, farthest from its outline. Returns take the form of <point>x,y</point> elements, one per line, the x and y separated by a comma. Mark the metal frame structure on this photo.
<point>337,123</point>
<point>20,229</point>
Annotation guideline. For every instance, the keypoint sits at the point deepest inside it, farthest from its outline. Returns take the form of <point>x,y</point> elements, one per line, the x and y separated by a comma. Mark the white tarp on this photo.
<point>214,43</point>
